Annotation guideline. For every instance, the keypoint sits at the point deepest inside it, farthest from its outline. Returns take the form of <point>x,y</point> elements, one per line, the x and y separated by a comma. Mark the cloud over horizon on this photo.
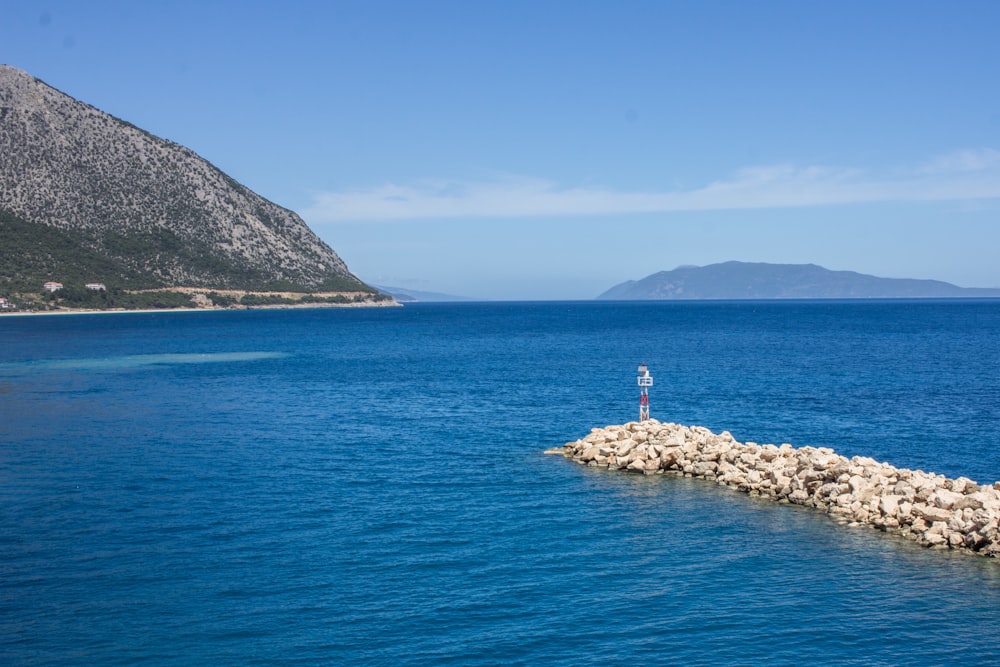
<point>962,175</point>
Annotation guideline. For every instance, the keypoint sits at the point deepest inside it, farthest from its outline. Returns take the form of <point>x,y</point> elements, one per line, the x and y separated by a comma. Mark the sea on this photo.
<point>367,486</point>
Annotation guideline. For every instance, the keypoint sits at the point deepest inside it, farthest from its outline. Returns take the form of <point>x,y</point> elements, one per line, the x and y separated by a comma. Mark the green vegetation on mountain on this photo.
<point>31,254</point>
<point>77,296</point>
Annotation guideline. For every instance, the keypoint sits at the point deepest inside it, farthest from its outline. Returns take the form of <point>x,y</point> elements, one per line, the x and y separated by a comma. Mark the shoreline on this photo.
<point>927,508</point>
<point>280,306</point>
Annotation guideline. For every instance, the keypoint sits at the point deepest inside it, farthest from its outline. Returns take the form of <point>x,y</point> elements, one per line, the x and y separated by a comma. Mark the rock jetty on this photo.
<point>927,508</point>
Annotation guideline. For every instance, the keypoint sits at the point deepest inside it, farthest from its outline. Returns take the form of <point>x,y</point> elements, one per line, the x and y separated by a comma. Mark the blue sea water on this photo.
<point>367,486</point>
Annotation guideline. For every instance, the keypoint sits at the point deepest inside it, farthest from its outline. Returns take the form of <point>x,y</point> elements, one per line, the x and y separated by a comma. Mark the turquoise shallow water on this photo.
<point>367,486</point>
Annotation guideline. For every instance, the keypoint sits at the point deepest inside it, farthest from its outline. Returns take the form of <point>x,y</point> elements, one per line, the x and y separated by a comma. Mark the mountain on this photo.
<point>86,196</point>
<point>743,280</point>
<point>405,294</point>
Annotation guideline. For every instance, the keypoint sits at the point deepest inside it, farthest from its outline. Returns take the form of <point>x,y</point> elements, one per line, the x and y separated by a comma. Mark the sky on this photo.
<point>550,150</point>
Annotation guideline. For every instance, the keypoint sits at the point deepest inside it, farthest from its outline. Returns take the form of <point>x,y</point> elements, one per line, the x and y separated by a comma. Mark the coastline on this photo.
<point>210,309</point>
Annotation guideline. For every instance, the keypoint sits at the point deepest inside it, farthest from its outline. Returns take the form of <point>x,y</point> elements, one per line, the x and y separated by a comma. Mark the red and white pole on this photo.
<point>645,382</point>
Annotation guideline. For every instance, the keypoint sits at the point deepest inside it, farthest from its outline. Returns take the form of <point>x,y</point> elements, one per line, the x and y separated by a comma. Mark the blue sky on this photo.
<point>549,150</point>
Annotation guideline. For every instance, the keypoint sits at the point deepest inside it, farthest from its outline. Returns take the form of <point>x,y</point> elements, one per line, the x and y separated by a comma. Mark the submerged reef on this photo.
<point>928,508</point>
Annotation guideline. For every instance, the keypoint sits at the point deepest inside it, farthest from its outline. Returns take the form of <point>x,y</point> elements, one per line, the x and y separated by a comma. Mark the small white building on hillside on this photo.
<point>52,286</point>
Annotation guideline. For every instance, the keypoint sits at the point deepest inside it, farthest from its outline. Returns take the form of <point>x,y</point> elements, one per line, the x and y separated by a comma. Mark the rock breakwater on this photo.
<point>928,508</point>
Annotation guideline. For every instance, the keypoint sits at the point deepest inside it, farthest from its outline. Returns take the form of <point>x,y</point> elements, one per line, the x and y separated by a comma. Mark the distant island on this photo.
<point>755,280</point>
<point>407,295</point>
<point>96,213</point>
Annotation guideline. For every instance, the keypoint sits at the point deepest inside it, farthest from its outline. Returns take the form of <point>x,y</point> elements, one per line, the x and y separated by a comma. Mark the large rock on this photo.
<point>638,465</point>
<point>945,499</point>
<point>933,513</point>
<point>889,505</point>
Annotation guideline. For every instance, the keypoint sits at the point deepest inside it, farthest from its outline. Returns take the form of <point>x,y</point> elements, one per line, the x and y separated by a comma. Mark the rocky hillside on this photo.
<point>746,280</point>
<point>83,191</point>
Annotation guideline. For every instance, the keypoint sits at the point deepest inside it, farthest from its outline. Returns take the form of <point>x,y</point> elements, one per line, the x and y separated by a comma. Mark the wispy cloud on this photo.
<point>964,175</point>
<point>963,161</point>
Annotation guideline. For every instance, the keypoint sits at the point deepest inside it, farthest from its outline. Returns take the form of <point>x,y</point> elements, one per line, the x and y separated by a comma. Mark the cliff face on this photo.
<point>156,211</point>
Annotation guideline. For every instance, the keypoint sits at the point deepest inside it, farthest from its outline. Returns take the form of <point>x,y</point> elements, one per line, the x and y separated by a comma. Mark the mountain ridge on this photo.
<point>736,280</point>
<point>407,295</point>
<point>147,211</point>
